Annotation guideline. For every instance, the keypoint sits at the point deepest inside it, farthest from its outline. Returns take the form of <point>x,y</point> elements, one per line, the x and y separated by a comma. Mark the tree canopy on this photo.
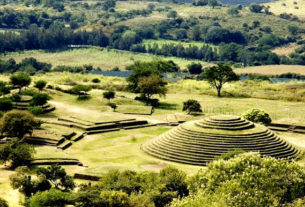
<point>18,123</point>
<point>20,80</point>
<point>247,179</point>
<point>152,85</point>
<point>218,75</point>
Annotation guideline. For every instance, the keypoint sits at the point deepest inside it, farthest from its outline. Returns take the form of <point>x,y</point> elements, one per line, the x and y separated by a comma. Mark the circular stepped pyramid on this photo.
<point>199,142</point>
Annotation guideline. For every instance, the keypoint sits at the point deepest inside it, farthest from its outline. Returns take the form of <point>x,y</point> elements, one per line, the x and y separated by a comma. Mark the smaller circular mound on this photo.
<point>225,122</point>
<point>199,142</point>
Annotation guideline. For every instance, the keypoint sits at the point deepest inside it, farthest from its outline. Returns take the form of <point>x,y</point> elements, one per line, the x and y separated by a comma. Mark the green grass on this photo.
<point>161,42</point>
<point>121,149</point>
<point>98,57</point>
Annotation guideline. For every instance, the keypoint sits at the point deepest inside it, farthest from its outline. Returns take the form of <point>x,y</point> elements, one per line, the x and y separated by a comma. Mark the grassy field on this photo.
<point>273,69</point>
<point>278,7</point>
<point>98,57</point>
<point>121,149</point>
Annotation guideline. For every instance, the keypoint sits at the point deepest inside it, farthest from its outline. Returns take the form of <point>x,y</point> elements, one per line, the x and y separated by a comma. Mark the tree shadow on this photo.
<point>167,106</point>
<point>83,98</point>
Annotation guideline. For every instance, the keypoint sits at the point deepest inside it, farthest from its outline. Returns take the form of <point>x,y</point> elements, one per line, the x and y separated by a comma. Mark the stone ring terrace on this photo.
<point>199,142</point>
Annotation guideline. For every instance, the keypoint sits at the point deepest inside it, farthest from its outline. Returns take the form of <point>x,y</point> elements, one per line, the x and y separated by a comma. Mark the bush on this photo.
<point>115,199</point>
<point>36,110</point>
<point>16,153</point>
<point>16,97</point>
<point>40,85</point>
<point>113,106</point>
<point>39,99</point>
<point>195,68</point>
<point>6,104</point>
<point>18,123</point>
<point>109,95</point>
<point>96,80</point>
<point>3,203</point>
<point>29,92</point>
<point>50,87</point>
<point>191,106</point>
<point>53,197</point>
<point>257,116</point>
<point>246,180</point>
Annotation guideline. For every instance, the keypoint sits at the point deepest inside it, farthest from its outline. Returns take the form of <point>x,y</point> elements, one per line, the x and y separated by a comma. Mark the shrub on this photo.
<point>6,104</point>
<point>258,116</point>
<point>80,89</point>
<point>195,68</point>
<point>18,123</point>
<point>113,106</point>
<point>16,153</point>
<point>36,110</point>
<point>52,197</point>
<point>20,80</point>
<point>40,85</point>
<point>16,97</point>
<point>29,92</point>
<point>109,95</point>
<point>246,180</point>
<point>96,80</point>
<point>3,203</point>
<point>39,99</point>
<point>50,87</point>
<point>115,198</point>
<point>191,106</point>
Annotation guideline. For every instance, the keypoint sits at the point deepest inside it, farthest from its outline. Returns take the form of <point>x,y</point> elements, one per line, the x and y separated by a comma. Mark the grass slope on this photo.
<point>98,57</point>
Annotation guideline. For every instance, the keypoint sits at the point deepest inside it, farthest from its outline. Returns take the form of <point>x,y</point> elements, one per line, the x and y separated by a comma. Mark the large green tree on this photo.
<point>152,85</point>
<point>218,75</point>
<point>18,123</point>
<point>20,80</point>
<point>247,179</point>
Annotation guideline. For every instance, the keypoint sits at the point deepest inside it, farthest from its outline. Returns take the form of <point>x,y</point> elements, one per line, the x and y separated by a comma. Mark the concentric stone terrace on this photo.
<point>199,142</point>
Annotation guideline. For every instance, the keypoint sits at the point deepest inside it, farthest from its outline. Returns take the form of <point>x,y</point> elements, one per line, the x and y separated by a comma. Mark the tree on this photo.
<point>6,104</point>
<point>194,68</point>
<point>140,70</point>
<point>152,85</point>
<point>40,85</point>
<point>293,29</point>
<point>17,153</point>
<point>57,177</point>
<point>40,99</point>
<point>248,179</point>
<point>4,89</point>
<point>108,4</point>
<point>256,8</point>
<point>80,90</point>
<point>218,75</point>
<point>233,10</point>
<point>3,203</point>
<point>20,80</point>
<point>191,106</point>
<point>258,116</point>
<point>18,123</point>
<point>52,197</point>
<point>113,106</point>
<point>172,14</point>
<point>109,95</point>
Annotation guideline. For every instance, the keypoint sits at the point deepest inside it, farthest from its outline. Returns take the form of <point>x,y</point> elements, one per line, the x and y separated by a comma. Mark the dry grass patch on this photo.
<point>286,49</point>
<point>273,69</point>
